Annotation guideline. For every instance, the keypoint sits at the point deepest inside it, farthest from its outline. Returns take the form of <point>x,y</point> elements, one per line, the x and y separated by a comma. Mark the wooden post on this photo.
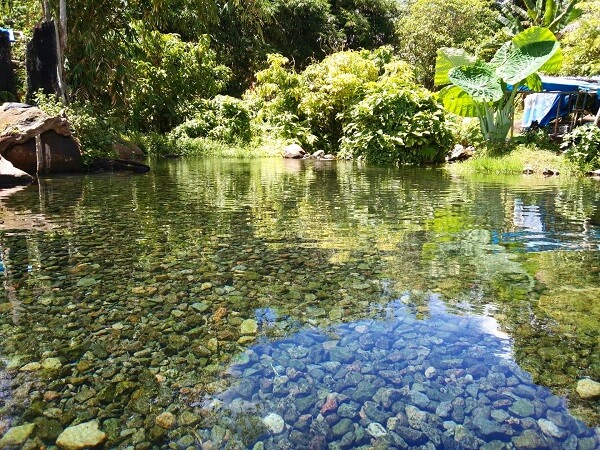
<point>39,155</point>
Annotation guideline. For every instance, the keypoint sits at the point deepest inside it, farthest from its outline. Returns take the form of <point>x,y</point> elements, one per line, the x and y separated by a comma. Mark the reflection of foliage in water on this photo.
<point>216,240</point>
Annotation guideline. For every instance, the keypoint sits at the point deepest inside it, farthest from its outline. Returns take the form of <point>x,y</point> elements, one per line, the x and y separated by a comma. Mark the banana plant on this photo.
<point>552,14</point>
<point>487,90</point>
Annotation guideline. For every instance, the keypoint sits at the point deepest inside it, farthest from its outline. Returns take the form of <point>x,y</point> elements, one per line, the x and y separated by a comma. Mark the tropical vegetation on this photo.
<point>356,78</point>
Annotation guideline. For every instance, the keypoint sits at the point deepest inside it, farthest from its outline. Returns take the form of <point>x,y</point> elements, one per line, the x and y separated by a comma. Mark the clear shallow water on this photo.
<point>466,310</point>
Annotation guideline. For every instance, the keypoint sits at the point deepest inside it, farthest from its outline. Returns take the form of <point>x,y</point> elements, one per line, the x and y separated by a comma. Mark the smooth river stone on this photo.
<point>588,389</point>
<point>274,423</point>
<point>81,436</point>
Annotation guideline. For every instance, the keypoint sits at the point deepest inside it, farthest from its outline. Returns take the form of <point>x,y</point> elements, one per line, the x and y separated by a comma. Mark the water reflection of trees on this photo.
<point>310,237</point>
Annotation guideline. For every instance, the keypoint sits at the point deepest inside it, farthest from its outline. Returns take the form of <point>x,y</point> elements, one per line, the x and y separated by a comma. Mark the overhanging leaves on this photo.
<point>458,102</point>
<point>529,52</point>
<point>448,58</point>
<point>479,81</point>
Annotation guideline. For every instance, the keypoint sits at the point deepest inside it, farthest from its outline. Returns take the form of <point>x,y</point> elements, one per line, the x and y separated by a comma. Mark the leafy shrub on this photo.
<point>96,133</point>
<point>582,43</point>
<point>222,118</point>
<point>274,100</point>
<point>171,78</point>
<point>466,131</point>
<point>331,87</point>
<point>583,147</point>
<point>397,123</point>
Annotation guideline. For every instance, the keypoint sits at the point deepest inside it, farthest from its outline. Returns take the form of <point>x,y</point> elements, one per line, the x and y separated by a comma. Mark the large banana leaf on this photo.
<point>479,81</point>
<point>458,102</point>
<point>448,58</point>
<point>531,50</point>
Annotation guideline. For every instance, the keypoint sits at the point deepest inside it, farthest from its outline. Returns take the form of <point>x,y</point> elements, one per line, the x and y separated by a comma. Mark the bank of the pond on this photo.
<point>524,159</point>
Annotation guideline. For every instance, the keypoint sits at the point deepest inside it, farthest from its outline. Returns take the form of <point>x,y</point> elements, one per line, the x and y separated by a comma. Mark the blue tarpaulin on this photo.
<point>11,33</point>
<point>544,107</point>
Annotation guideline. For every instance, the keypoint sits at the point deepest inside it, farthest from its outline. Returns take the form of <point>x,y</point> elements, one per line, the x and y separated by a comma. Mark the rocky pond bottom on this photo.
<point>444,382</point>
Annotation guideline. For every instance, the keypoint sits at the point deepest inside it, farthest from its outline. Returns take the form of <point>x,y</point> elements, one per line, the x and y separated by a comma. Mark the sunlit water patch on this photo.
<point>396,381</point>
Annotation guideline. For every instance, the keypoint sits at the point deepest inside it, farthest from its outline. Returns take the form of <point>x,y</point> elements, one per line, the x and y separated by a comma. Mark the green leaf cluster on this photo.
<point>428,25</point>
<point>96,133</point>
<point>552,14</point>
<point>172,77</point>
<point>583,148</point>
<point>396,123</point>
<point>581,42</point>
<point>223,118</point>
<point>359,103</point>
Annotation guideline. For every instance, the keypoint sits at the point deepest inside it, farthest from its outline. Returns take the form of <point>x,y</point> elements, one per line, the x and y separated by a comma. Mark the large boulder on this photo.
<point>293,151</point>
<point>11,176</point>
<point>20,124</point>
<point>128,151</point>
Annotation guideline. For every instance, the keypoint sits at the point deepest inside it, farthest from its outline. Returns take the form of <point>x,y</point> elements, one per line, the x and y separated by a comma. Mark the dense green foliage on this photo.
<point>170,79</point>
<point>222,118</point>
<point>344,76</point>
<point>396,123</point>
<point>431,24</point>
<point>581,43</point>
<point>95,133</point>
<point>583,148</point>
<point>361,104</point>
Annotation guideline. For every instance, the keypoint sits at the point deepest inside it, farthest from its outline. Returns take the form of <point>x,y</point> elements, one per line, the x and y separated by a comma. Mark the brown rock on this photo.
<point>20,124</point>
<point>82,436</point>
<point>165,420</point>
<point>460,153</point>
<point>127,151</point>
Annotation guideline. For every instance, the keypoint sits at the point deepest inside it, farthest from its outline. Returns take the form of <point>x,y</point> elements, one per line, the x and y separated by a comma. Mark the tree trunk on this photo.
<point>62,47</point>
<point>47,11</point>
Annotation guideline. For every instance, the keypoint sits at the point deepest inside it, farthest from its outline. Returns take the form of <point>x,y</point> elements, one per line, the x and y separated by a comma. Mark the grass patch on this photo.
<point>514,163</point>
<point>160,145</point>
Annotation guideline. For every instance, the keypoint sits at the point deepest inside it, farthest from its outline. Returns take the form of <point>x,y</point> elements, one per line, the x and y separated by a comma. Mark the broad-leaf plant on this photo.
<point>487,90</point>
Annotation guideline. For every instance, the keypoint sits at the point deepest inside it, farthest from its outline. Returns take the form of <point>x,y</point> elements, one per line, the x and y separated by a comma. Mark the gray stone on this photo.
<point>11,176</point>
<point>293,151</point>
<point>415,416</point>
<point>465,438</point>
<point>588,443</point>
<point>342,427</point>
<point>529,439</point>
<point>551,429</point>
<point>81,436</point>
<point>249,327</point>
<point>347,410</point>
<point>376,430</point>
<point>522,408</point>
<point>200,307</point>
<point>274,423</point>
<point>418,399</point>
<point>443,410</point>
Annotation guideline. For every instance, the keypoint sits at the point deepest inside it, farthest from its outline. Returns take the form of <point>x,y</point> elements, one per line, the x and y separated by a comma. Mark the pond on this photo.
<point>299,304</point>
